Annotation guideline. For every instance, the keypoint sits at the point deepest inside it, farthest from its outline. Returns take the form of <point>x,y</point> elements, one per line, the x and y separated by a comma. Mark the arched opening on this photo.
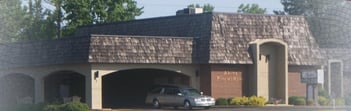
<point>272,70</point>
<point>63,85</point>
<point>128,88</point>
<point>16,89</point>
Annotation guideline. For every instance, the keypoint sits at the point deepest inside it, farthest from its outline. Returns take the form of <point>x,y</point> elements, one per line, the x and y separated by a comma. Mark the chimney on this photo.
<point>189,11</point>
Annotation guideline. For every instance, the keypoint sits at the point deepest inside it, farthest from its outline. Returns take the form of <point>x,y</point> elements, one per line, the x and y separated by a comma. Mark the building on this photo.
<point>112,65</point>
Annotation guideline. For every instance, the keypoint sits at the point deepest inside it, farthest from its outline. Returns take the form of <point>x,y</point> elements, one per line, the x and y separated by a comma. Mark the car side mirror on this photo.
<point>202,93</point>
<point>179,94</point>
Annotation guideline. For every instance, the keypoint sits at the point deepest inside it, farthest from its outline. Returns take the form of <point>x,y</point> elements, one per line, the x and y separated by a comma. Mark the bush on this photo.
<point>292,99</point>
<point>75,106</point>
<point>71,106</point>
<point>323,100</point>
<point>256,101</point>
<point>221,101</point>
<point>300,101</point>
<point>52,107</point>
<point>251,101</point>
<point>239,101</point>
<point>310,102</point>
<point>340,101</point>
<point>323,92</point>
<point>295,100</point>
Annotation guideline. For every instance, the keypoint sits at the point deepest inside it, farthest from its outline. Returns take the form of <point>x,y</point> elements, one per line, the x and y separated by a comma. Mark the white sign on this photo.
<point>320,78</point>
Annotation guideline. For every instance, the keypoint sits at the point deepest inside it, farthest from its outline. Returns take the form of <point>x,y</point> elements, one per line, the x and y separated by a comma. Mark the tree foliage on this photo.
<point>327,19</point>
<point>206,7</point>
<point>21,21</point>
<point>28,22</point>
<point>39,23</point>
<point>309,7</point>
<point>279,12</point>
<point>11,20</point>
<point>253,9</point>
<point>83,12</point>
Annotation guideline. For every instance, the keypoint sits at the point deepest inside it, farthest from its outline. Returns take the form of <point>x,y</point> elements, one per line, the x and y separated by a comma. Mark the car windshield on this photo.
<point>191,92</point>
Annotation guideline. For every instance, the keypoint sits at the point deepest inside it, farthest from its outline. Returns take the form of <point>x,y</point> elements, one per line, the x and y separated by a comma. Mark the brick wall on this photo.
<point>295,87</point>
<point>227,81</point>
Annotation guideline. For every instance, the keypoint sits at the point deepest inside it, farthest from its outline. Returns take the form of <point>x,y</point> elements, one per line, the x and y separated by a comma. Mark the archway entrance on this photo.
<point>271,67</point>
<point>62,86</point>
<point>128,88</point>
<point>16,89</point>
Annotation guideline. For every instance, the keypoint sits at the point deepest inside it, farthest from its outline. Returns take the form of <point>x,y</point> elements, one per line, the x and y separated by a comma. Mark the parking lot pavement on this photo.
<point>290,108</point>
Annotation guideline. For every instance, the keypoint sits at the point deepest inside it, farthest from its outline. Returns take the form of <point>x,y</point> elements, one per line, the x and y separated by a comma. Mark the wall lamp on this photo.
<point>96,74</point>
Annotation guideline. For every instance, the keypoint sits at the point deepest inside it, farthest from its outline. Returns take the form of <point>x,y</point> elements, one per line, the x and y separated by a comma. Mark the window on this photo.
<point>156,91</point>
<point>172,91</point>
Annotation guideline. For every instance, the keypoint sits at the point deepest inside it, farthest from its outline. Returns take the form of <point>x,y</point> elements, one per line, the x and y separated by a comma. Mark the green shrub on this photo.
<point>292,99</point>
<point>296,100</point>
<point>71,106</point>
<point>323,100</point>
<point>300,101</point>
<point>323,92</point>
<point>52,107</point>
<point>221,101</point>
<point>239,101</point>
<point>75,106</point>
<point>340,101</point>
<point>229,100</point>
<point>310,102</point>
<point>256,101</point>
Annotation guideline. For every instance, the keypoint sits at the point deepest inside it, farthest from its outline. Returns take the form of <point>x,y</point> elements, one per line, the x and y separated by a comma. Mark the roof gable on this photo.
<point>232,33</point>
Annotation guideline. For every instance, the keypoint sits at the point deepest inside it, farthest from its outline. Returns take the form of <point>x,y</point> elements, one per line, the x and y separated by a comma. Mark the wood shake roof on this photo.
<point>140,49</point>
<point>215,38</point>
<point>232,33</point>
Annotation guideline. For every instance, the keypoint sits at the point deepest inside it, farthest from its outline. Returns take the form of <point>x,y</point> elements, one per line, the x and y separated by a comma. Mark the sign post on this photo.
<point>312,78</point>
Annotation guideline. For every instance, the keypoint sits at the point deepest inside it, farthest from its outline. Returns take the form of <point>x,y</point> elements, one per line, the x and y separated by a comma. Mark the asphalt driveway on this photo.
<point>267,108</point>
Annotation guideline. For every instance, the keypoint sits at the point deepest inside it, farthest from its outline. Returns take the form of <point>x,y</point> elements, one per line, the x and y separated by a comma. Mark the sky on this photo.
<point>158,8</point>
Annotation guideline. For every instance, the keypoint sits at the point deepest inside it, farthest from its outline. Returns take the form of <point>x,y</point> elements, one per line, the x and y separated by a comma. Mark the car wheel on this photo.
<point>156,104</point>
<point>187,105</point>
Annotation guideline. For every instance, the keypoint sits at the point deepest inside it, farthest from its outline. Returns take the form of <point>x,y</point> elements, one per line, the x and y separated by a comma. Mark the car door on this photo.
<point>170,94</point>
<point>162,96</point>
<point>178,97</point>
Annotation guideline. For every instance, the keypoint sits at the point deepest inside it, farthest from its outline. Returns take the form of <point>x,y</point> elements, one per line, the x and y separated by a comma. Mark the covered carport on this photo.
<point>64,84</point>
<point>128,88</point>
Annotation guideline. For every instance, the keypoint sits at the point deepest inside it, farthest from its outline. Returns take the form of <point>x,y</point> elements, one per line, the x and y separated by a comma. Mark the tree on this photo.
<point>279,12</point>
<point>84,12</point>
<point>253,9</point>
<point>22,22</point>
<point>327,19</point>
<point>11,20</point>
<point>56,16</point>
<point>206,7</point>
<point>309,7</point>
<point>38,23</point>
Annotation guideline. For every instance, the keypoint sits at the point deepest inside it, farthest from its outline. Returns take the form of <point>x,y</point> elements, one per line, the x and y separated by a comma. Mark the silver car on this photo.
<point>173,95</point>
